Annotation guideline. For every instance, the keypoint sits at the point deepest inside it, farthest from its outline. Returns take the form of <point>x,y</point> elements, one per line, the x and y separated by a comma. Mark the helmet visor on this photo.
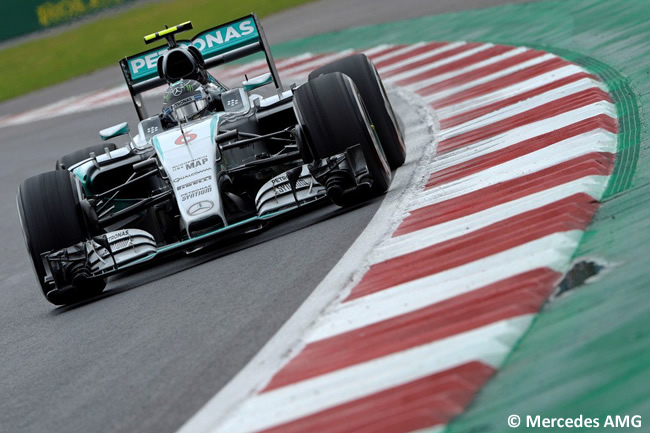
<point>189,110</point>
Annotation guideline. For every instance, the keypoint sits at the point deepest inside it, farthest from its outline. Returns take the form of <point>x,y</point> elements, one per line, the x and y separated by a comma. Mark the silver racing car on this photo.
<point>214,159</point>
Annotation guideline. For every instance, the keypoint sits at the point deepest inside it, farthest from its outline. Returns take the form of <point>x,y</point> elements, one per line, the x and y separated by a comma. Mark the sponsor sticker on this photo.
<point>210,43</point>
<point>196,193</point>
<point>200,208</point>
<point>144,65</point>
<point>188,136</point>
<point>119,235</point>
<point>225,38</point>
<point>180,178</point>
<point>280,179</point>
<point>191,164</point>
<point>284,188</point>
<point>192,183</point>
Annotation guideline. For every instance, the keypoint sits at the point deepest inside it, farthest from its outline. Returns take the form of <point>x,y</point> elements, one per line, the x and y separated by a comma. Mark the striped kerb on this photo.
<point>525,150</point>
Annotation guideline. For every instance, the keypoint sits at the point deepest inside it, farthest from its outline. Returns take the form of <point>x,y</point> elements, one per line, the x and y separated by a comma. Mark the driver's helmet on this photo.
<point>184,100</point>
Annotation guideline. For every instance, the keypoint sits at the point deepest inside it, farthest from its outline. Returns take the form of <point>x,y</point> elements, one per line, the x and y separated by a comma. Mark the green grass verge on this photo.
<point>89,47</point>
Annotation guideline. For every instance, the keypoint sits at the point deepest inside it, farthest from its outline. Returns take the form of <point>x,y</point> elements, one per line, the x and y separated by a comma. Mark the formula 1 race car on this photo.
<point>215,160</point>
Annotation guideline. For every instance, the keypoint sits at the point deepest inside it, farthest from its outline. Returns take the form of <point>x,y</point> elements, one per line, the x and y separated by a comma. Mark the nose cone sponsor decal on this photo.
<point>200,207</point>
<point>192,170</point>
<point>188,136</point>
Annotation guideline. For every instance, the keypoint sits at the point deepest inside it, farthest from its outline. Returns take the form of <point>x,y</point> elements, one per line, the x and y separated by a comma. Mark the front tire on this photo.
<point>51,219</point>
<point>67,161</point>
<point>333,118</point>
<point>364,74</point>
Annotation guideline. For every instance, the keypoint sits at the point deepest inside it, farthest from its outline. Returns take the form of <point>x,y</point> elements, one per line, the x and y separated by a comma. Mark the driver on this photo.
<point>186,100</point>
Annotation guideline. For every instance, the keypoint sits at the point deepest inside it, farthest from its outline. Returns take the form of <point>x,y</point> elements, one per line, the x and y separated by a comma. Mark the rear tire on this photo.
<point>364,74</point>
<point>48,206</point>
<point>77,156</point>
<point>333,117</point>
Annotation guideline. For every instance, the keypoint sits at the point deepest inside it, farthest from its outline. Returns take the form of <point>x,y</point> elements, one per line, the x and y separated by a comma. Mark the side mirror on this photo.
<point>255,82</point>
<point>114,131</point>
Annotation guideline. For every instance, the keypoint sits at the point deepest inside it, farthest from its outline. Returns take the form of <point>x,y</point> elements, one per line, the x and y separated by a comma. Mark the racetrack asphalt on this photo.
<point>159,343</point>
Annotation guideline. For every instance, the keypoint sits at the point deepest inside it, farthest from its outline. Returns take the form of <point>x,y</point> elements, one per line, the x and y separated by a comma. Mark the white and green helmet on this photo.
<point>184,100</point>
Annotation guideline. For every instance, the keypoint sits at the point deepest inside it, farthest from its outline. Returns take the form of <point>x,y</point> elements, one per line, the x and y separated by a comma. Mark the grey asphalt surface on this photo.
<point>151,351</point>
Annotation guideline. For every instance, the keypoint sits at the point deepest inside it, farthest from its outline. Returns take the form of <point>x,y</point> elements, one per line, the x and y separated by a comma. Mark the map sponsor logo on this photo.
<point>191,164</point>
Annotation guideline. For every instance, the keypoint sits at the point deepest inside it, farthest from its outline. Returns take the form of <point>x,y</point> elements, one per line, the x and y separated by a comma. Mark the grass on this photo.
<point>97,44</point>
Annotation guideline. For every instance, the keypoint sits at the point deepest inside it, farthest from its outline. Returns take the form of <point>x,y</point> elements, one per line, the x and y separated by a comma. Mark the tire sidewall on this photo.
<point>364,74</point>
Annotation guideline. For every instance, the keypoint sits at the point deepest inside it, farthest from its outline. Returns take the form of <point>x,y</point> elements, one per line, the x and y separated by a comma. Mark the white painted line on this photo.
<point>519,107</point>
<point>594,141</point>
<point>235,70</point>
<point>546,252</point>
<point>305,68</point>
<point>436,64</point>
<point>509,90</point>
<point>106,98</point>
<point>46,112</point>
<point>379,48</point>
<point>489,344</point>
<point>398,52</point>
<point>257,67</point>
<point>436,429</point>
<point>519,134</point>
<point>456,72</point>
<point>424,238</point>
<point>440,78</point>
<point>417,58</point>
<point>302,70</point>
<point>487,78</point>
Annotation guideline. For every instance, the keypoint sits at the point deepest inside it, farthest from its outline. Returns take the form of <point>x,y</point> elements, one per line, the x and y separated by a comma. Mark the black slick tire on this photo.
<point>332,116</point>
<point>77,156</point>
<point>364,74</point>
<point>51,219</point>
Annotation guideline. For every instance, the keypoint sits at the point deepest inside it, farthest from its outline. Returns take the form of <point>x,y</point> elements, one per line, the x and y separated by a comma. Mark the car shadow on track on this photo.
<point>178,262</point>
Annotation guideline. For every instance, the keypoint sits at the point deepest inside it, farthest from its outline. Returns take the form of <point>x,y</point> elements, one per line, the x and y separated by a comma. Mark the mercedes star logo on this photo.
<point>177,91</point>
<point>200,207</point>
